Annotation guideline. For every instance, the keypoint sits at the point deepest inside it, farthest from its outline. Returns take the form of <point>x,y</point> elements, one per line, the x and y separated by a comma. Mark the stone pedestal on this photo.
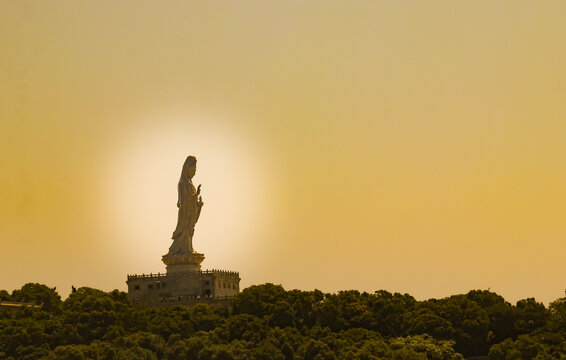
<point>182,263</point>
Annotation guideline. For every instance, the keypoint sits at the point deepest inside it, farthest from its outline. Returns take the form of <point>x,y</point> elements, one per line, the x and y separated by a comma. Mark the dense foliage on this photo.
<point>269,323</point>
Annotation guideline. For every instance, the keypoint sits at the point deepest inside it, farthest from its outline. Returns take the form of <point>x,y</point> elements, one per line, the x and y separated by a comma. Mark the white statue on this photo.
<point>189,204</point>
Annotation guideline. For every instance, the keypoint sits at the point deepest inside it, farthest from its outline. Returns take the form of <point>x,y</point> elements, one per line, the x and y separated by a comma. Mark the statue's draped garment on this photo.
<point>189,212</point>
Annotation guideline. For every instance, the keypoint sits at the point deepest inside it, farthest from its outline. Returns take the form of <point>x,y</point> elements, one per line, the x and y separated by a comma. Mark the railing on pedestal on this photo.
<point>202,272</point>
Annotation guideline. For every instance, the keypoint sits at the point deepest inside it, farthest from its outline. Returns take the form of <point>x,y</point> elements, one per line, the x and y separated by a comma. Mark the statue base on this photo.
<point>182,263</point>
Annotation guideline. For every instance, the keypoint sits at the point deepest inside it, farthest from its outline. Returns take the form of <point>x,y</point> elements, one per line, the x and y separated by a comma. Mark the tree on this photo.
<point>501,314</point>
<point>318,350</point>
<point>4,295</point>
<point>389,310</point>
<point>420,345</point>
<point>470,323</point>
<point>283,315</point>
<point>531,315</point>
<point>258,300</point>
<point>244,327</point>
<point>38,294</point>
<point>424,320</point>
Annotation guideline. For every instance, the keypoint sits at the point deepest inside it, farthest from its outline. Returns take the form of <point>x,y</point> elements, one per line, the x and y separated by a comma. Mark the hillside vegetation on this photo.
<point>269,323</point>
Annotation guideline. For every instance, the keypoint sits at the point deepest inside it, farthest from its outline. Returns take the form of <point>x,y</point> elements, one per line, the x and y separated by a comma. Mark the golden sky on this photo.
<point>402,145</point>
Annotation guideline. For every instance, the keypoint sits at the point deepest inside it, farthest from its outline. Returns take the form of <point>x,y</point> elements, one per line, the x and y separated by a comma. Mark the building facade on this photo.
<point>215,287</point>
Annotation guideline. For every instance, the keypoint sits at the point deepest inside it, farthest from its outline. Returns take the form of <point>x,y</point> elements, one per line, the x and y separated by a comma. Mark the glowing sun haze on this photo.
<point>409,146</point>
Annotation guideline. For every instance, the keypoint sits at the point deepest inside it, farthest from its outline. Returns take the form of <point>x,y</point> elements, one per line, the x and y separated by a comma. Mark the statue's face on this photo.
<point>192,171</point>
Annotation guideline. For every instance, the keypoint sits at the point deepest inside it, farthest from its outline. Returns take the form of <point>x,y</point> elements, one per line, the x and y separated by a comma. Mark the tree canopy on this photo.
<point>267,322</point>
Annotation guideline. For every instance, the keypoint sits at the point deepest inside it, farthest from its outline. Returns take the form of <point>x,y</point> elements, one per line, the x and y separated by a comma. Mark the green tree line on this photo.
<point>267,322</point>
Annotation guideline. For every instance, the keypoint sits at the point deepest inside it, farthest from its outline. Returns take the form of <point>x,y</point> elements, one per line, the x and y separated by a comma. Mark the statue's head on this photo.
<point>189,168</point>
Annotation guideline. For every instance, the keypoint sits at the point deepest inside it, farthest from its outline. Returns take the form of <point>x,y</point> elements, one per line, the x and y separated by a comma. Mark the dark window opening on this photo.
<point>137,287</point>
<point>150,286</point>
<point>158,285</point>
